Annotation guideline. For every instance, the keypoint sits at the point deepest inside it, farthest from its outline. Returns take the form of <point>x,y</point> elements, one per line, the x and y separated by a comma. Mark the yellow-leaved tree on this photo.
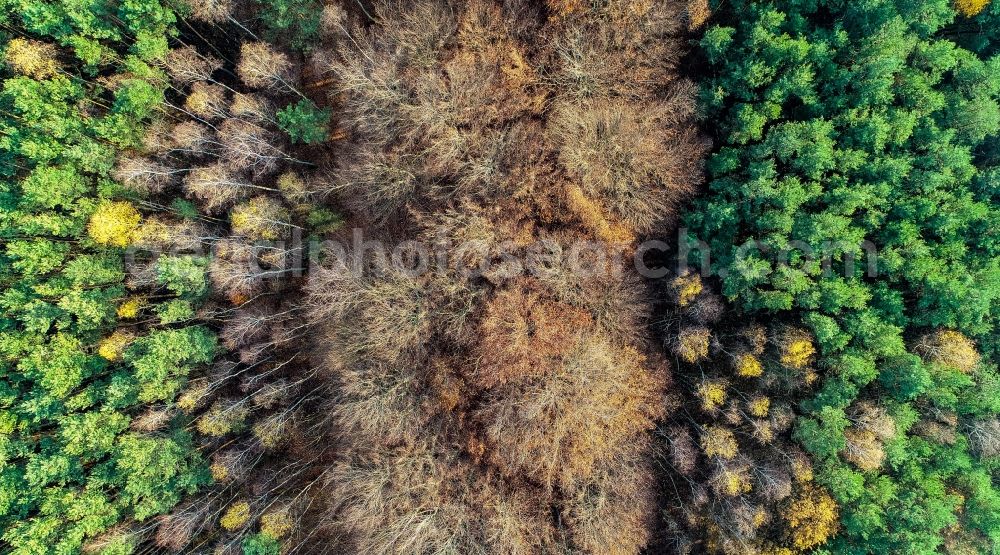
<point>260,218</point>
<point>712,394</point>
<point>114,223</point>
<point>112,347</point>
<point>971,8</point>
<point>236,516</point>
<point>32,58</point>
<point>692,343</point>
<point>719,441</point>
<point>797,349</point>
<point>812,517</point>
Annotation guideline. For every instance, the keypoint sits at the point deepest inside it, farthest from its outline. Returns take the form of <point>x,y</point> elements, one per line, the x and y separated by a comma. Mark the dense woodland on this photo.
<point>184,368</point>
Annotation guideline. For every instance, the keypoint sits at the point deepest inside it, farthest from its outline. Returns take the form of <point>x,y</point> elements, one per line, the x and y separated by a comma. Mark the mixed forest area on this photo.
<point>186,368</point>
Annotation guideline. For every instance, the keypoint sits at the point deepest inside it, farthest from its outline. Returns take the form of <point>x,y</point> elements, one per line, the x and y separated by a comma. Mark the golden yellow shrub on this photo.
<point>292,187</point>
<point>797,349</point>
<point>131,307</point>
<point>731,480</point>
<point>735,484</point>
<point>698,12</point>
<point>270,432</point>
<point>250,107</point>
<point>114,223</point>
<point>236,516</point>
<point>776,550</point>
<point>971,8</point>
<point>593,218</point>
<point>762,431</point>
<point>260,218</point>
<point>802,470</point>
<point>222,419</point>
<point>112,346</point>
<point>759,406</point>
<point>692,344</point>
<point>192,397</point>
<point>712,394</point>
<point>206,101</point>
<point>760,517</point>
<point>687,288</point>
<point>31,58</point>
<point>154,231</point>
<point>276,523</point>
<point>719,441</point>
<point>748,366</point>
<point>219,472</point>
<point>811,517</point>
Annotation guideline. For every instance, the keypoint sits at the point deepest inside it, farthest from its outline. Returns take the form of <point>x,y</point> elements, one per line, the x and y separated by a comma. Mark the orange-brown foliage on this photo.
<point>476,408</point>
<point>523,334</point>
<point>582,411</point>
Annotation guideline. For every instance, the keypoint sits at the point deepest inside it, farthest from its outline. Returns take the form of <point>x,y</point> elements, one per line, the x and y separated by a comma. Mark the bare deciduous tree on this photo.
<point>186,65</point>
<point>207,101</point>
<point>251,107</point>
<point>211,11</point>
<point>629,156</point>
<point>217,186</point>
<point>263,67</point>
<point>175,530</point>
<point>193,137</point>
<point>249,147</point>
<point>580,413</point>
<point>144,174</point>
<point>984,436</point>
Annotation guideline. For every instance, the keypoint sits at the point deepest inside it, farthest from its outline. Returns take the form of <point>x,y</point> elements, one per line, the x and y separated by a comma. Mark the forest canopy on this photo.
<point>499,276</point>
